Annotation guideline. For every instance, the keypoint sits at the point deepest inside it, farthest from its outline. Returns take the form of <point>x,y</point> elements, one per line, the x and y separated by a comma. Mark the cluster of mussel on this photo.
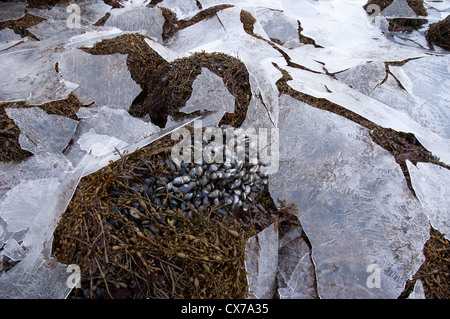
<point>230,184</point>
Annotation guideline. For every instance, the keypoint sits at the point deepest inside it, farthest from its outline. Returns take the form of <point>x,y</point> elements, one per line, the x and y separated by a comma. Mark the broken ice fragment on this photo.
<point>42,132</point>
<point>352,200</point>
<point>99,145</point>
<point>11,11</point>
<point>296,276</point>
<point>13,250</point>
<point>187,39</point>
<point>261,263</point>
<point>138,19</point>
<point>398,9</point>
<point>277,26</point>
<point>23,202</point>
<point>418,292</point>
<point>29,75</point>
<point>430,182</point>
<point>104,80</point>
<point>209,93</point>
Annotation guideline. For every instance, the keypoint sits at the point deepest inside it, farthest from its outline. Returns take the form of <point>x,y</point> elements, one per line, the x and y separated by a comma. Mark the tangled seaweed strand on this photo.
<point>439,34</point>
<point>153,252</point>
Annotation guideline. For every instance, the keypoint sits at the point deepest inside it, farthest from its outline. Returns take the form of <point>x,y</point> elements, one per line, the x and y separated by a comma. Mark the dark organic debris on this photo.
<point>45,4</point>
<point>439,34</point>
<point>101,22</point>
<point>113,3</point>
<point>405,25</point>
<point>129,247</point>
<point>10,149</point>
<point>435,271</point>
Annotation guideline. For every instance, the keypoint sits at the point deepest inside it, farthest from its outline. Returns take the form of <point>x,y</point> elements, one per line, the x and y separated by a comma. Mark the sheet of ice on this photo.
<point>9,38</point>
<point>209,93</point>
<point>98,144</point>
<point>276,25</point>
<point>101,129</point>
<point>62,21</point>
<point>353,203</point>
<point>430,182</point>
<point>90,11</point>
<point>38,275</point>
<point>28,74</point>
<point>418,292</point>
<point>166,53</point>
<point>183,40</point>
<point>137,19</point>
<point>296,275</point>
<point>364,77</point>
<point>13,250</point>
<point>12,11</point>
<point>181,8</point>
<point>439,5</point>
<point>8,35</point>
<point>427,81</point>
<point>32,168</point>
<point>261,263</point>
<point>87,39</point>
<point>42,132</point>
<point>348,36</point>
<point>398,9</point>
<point>373,110</point>
<point>21,205</point>
<point>424,99</point>
<point>102,79</point>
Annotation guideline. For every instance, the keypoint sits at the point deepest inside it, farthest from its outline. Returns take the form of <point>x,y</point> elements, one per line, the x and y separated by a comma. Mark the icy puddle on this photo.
<point>359,103</point>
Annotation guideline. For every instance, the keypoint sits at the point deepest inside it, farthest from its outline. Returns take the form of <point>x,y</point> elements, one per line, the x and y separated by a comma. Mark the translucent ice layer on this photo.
<point>338,176</point>
<point>145,19</point>
<point>430,183</point>
<point>103,80</point>
<point>36,136</point>
<point>209,93</point>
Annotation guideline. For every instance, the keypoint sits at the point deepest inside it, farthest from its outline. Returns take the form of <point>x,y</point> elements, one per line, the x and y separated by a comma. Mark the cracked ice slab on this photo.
<point>21,205</point>
<point>209,93</point>
<point>98,132</point>
<point>368,107</point>
<point>296,274</point>
<point>261,263</point>
<point>28,74</point>
<point>12,11</point>
<point>38,275</point>
<point>145,19</point>
<point>424,97</point>
<point>102,79</point>
<point>182,9</point>
<point>353,203</point>
<point>276,25</point>
<point>430,182</point>
<point>42,132</point>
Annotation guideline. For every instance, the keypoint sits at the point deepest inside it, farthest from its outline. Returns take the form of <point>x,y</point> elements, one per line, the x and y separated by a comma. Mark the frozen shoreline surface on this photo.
<point>324,73</point>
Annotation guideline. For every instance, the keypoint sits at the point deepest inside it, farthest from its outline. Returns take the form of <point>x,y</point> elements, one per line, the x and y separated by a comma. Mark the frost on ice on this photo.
<point>354,205</point>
